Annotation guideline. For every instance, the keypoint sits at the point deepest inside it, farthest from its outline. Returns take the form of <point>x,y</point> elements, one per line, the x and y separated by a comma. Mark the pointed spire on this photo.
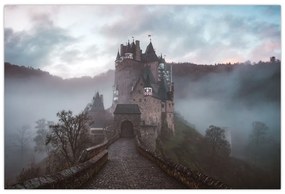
<point>149,49</point>
<point>118,56</point>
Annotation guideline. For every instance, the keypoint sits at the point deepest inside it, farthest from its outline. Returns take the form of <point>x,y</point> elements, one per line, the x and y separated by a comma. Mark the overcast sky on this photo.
<point>73,41</point>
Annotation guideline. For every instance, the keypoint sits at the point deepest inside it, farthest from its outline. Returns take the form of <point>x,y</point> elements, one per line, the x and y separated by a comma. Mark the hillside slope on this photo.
<point>189,148</point>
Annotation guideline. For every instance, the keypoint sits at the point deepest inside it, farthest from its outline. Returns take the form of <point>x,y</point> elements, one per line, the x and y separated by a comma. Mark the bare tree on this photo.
<point>69,136</point>
<point>216,138</point>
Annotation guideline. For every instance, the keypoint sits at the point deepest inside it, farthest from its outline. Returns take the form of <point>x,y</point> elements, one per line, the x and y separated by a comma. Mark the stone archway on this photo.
<point>127,129</point>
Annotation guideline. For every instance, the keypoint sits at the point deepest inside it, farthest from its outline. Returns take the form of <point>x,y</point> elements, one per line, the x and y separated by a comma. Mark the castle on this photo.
<point>143,91</point>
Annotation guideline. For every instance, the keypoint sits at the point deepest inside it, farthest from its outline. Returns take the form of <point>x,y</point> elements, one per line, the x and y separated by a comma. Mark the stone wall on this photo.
<point>126,75</point>
<point>70,178</point>
<point>90,162</point>
<point>191,179</point>
<point>90,152</point>
<point>150,106</point>
<point>148,137</point>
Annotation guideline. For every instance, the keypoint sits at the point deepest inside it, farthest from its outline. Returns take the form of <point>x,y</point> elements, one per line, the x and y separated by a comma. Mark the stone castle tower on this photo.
<point>144,80</point>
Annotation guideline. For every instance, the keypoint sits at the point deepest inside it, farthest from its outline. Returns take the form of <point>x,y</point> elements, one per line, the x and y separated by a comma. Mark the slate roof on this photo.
<point>127,109</point>
<point>147,76</point>
<point>149,55</point>
<point>149,49</point>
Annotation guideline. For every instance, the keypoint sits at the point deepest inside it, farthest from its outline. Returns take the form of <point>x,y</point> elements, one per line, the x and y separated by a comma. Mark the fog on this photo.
<point>28,100</point>
<point>233,100</point>
<point>227,99</point>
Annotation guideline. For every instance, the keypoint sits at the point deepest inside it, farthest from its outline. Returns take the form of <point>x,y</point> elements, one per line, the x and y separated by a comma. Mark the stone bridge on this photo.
<point>127,169</point>
<point>122,163</point>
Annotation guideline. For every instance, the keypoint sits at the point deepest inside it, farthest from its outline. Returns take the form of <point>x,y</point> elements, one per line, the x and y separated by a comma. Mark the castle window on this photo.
<point>140,100</point>
<point>134,100</point>
<point>147,91</point>
<point>139,91</point>
<point>145,100</point>
<point>162,105</point>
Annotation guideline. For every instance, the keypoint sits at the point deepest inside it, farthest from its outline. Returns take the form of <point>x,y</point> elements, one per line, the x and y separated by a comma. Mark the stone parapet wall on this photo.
<point>70,178</point>
<point>191,179</point>
<point>90,162</point>
<point>90,152</point>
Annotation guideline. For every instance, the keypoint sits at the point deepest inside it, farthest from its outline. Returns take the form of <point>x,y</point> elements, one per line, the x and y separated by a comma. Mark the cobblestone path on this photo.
<point>127,169</point>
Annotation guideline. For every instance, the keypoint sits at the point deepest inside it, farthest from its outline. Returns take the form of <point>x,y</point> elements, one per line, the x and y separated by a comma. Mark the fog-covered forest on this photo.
<point>232,96</point>
<point>31,95</point>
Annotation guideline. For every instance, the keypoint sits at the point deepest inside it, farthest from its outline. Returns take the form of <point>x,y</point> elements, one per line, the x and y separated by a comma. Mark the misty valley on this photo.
<point>242,100</point>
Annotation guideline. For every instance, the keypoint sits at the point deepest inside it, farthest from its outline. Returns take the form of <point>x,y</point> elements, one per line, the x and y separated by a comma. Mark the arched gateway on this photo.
<point>127,119</point>
<point>127,129</point>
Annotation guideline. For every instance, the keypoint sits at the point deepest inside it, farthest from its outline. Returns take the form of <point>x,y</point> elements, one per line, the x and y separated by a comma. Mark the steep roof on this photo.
<point>149,49</point>
<point>127,109</point>
<point>149,54</point>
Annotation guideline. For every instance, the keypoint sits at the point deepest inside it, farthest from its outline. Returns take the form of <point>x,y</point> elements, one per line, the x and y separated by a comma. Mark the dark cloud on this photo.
<point>37,46</point>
